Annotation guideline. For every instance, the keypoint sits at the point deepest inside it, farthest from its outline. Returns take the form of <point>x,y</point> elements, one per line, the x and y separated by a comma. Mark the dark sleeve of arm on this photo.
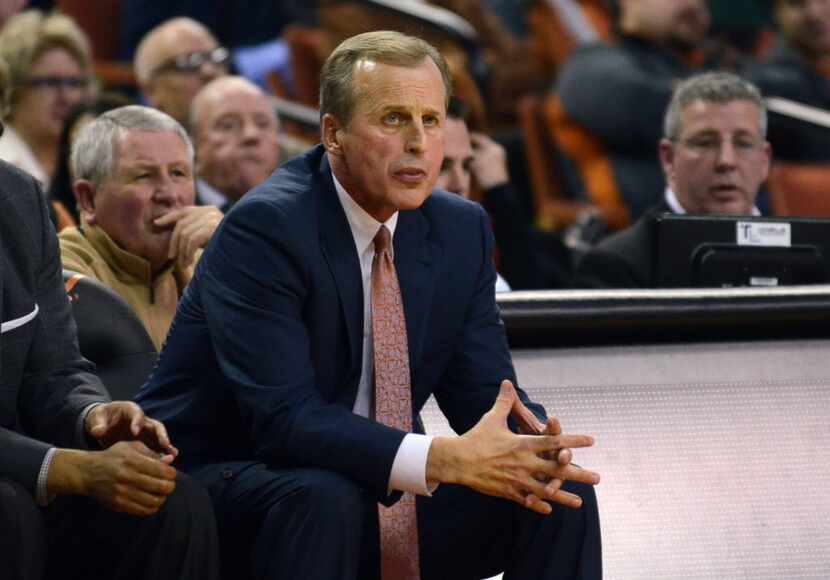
<point>523,261</point>
<point>603,90</point>
<point>602,269</point>
<point>57,382</point>
<point>256,274</point>
<point>481,358</point>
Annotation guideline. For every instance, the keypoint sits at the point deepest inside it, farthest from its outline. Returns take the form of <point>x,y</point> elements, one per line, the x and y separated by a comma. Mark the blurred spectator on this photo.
<point>140,232</point>
<point>9,8</point>
<point>798,69</point>
<point>715,157</point>
<point>49,71</point>
<point>63,208</point>
<point>618,93</point>
<point>234,24</point>
<point>234,129</point>
<point>476,161</point>
<point>174,61</point>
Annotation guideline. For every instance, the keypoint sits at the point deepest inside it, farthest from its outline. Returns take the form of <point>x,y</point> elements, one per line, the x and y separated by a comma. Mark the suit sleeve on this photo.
<point>254,283</point>
<point>601,269</point>
<point>56,383</point>
<point>605,92</point>
<point>481,357</point>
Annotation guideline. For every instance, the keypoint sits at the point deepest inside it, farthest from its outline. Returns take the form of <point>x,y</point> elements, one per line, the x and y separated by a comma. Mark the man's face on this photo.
<point>679,23</point>
<point>389,153</point>
<point>720,158</point>
<point>171,88</point>
<point>456,172</point>
<point>54,84</point>
<point>236,141</point>
<point>152,176</point>
<point>806,23</point>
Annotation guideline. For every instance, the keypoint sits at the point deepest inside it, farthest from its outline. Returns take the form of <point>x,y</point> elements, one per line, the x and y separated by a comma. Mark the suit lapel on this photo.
<point>339,250</point>
<point>415,260</point>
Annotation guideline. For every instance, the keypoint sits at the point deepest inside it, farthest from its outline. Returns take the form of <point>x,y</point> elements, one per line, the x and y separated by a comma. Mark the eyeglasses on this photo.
<point>711,147</point>
<point>57,83</point>
<point>193,61</point>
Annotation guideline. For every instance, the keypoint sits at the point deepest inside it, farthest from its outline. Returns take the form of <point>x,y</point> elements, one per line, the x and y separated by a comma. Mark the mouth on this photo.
<point>410,175</point>
<point>725,191</point>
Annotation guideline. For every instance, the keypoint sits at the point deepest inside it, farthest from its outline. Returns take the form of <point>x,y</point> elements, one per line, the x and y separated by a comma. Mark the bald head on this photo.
<point>174,61</point>
<point>234,127</point>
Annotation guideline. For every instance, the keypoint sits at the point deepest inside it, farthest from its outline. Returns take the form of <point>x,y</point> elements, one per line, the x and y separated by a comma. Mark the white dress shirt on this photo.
<point>410,464</point>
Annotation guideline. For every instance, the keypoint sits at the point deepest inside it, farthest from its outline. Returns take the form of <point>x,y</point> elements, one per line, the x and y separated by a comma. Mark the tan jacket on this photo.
<point>92,252</point>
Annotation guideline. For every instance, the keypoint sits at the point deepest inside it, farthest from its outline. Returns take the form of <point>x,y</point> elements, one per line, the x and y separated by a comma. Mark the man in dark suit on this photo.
<point>715,157</point>
<point>58,499</point>
<point>266,377</point>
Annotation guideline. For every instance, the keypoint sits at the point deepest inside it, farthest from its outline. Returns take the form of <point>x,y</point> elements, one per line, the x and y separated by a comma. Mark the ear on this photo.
<point>665,151</point>
<point>85,197</point>
<point>768,160</point>
<point>331,134</point>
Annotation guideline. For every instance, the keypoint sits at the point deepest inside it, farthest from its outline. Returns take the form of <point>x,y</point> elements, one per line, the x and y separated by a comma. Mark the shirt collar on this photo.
<point>364,227</point>
<point>209,195</point>
<point>674,204</point>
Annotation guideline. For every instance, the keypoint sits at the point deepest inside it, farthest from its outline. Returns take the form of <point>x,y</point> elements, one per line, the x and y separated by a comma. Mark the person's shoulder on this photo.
<point>16,184</point>
<point>448,207</point>
<point>780,71</point>
<point>289,191</point>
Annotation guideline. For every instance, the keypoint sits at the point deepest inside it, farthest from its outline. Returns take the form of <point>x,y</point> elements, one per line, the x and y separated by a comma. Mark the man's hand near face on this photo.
<point>489,166</point>
<point>192,228</point>
<point>492,460</point>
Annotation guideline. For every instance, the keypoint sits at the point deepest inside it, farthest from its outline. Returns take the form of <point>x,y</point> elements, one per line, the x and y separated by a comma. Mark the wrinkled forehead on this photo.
<point>134,147</point>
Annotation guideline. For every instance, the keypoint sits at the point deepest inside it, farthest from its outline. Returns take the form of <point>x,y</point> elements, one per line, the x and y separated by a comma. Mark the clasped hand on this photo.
<point>528,468</point>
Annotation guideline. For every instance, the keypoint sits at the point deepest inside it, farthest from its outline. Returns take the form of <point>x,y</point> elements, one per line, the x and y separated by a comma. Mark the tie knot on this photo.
<point>383,239</point>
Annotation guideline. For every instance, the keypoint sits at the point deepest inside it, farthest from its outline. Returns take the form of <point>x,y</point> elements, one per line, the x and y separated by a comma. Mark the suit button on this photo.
<point>226,474</point>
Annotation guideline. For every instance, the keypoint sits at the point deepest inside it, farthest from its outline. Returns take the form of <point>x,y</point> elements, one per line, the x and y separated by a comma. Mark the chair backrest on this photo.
<point>110,335</point>
<point>800,189</point>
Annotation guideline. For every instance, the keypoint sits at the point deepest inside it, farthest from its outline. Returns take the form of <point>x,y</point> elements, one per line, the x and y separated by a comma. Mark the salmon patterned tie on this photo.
<point>393,407</point>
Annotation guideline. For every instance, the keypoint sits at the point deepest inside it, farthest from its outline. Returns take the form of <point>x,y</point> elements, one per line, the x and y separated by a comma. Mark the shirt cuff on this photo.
<point>409,469</point>
<point>42,495</point>
<point>80,426</point>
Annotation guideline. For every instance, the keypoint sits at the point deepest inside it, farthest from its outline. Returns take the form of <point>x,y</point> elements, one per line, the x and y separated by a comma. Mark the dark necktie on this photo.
<point>393,407</point>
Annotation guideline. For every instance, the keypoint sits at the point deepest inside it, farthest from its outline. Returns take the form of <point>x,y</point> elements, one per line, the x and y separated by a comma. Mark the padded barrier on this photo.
<point>711,411</point>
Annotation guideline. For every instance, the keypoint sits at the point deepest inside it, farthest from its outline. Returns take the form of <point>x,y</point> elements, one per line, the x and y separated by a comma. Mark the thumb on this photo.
<point>98,424</point>
<point>504,401</point>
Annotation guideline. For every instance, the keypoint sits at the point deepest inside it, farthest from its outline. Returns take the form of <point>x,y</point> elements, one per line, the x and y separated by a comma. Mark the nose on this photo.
<point>415,138</point>
<point>727,155</point>
<point>210,70</point>
<point>251,132</point>
<point>165,190</point>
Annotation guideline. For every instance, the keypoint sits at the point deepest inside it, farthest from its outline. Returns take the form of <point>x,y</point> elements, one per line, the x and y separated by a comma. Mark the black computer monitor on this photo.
<point>727,251</point>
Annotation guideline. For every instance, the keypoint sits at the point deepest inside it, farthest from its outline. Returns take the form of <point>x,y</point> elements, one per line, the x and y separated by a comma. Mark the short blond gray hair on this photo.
<point>27,35</point>
<point>93,156</point>
<point>388,47</point>
<point>715,87</point>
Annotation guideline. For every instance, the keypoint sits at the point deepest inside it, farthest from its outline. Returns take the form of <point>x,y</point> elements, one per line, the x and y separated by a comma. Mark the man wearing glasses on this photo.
<point>715,157</point>
<point>174,61</point>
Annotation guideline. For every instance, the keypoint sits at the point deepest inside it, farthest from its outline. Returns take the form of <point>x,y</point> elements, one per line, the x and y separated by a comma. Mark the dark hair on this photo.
<point>458,109</point>
<point>60,188</point>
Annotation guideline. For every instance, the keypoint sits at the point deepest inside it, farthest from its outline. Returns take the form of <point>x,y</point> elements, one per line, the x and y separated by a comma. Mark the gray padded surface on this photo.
<point>713,456</point>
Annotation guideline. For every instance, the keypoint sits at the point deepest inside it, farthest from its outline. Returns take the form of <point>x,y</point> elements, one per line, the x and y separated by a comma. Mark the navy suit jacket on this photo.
<point>263,358</point>
<point>44,381</point>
